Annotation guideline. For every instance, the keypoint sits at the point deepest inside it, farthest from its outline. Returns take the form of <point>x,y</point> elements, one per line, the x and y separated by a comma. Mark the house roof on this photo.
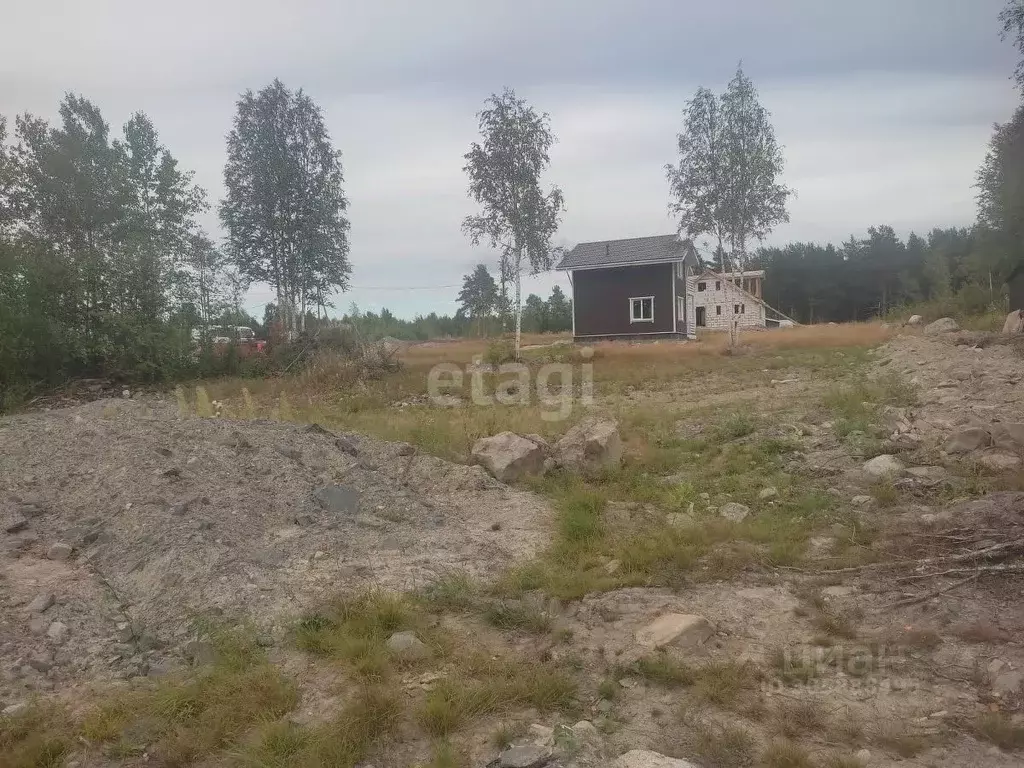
<point>617,253</point>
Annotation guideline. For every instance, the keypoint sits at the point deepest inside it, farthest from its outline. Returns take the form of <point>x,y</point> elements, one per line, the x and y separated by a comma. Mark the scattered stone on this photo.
<point>59,551</point>
<point>612,567</point>
<point>883,466</point>
<point>1009,436</point>
<point>38,625</point>
<point>41,664</point>
<point>643,758</point>
<point>508,456</point>
<point>58,632</point>
<point>734,511</point>
<point>1014,323</point>
<point>289,453</point>
<point>200,652</point>
<point>942,325</point>
<point>124,632</point>
<point>525,756</point>
<point>678,629</point>
<point>1007,683</point>
<point>15,524</point>
<point>590,446</point>
<point>915,320</point>
<point>768,493</point>
<point>541,735</point>
<point>179,508</point>
<point>13,710</point>
<point>999,461</point>
<point>338,499</point>
<point>967,440</point>
<point>679,520</point>
<point>316,429</point>
<point>404,449</point>
<point>407,646</point>
<point>347,445</point>
<point>864,755</point>
<point>41,602</point>
<point>861,501</point>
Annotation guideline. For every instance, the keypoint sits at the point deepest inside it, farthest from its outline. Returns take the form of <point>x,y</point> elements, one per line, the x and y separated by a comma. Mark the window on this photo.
<point>702,286</point>
<point>641,310</point>
<point>718,285</point>
<point>743,309</point>
<point>718,309</point>
<point>735,309</point>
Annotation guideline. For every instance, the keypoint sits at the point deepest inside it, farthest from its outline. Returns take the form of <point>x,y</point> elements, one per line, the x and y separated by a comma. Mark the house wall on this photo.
<point>726,296</point>
<point>1016,286</point>
<point>601,299</point>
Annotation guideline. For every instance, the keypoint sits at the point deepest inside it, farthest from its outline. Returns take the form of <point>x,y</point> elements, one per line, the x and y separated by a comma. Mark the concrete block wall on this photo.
<point>722,293</point>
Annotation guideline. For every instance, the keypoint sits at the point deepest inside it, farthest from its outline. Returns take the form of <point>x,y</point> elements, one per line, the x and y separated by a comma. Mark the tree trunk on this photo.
<point>519,305</point>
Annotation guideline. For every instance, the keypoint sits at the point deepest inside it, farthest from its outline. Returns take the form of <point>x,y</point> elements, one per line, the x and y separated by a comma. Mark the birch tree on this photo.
<point>517,217</point>
<point>285,208</point>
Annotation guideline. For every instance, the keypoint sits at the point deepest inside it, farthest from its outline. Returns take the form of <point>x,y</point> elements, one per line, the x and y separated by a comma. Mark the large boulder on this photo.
<point>915,320</point>
<point>1008,435</point>
<point>734,512</point>
<point>1014,323</point>
<point>509,456</point>
<point>942,325</point>
<point>883,466</point>
<point>643,758</point>
<point>967,440</point>
<point>589,446</point>
<point>683,630</point>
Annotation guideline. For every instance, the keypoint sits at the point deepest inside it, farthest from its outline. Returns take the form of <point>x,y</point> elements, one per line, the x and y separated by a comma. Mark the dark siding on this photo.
<point>1016,286</point>
<point>601,299</point>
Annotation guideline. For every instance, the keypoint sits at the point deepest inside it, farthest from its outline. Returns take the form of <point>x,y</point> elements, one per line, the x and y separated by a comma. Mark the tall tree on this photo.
<point>726,183</point>
<point>1012,20</point>
<point>504,169</point>
<point>559,311</point>
<point>479,296</point>
<point>1001,196</point>
<point>285,208</point>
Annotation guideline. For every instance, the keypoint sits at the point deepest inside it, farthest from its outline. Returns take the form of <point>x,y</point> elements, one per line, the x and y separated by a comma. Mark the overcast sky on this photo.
<point>883,106</point>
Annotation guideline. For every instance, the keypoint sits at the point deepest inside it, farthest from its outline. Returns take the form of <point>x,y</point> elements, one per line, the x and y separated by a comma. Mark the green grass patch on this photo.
<point>662,669</point>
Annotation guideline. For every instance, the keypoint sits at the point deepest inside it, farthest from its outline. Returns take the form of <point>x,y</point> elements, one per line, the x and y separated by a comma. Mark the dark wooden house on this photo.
<point>632,289</point>
<point>1015,284</point>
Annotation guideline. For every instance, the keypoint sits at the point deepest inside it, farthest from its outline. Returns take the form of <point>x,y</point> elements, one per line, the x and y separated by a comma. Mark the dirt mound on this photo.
<point>169,518</point>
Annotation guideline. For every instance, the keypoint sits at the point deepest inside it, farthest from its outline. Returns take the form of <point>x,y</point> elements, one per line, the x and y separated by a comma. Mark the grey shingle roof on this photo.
<point>634,249</point>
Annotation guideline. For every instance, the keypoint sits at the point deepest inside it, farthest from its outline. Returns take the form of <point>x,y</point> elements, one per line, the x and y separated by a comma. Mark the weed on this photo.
<point>793,667</point>
<point>835,623</point>
<point>722,682</point>
<point>885,492</point>
<point>734,426</point>
<point>796,718</point>
<point>608,689</point>
<point>454,591</point>
<point>517,615</point>
<point>727,746</point>
<point>786,754</point>
<point>445,756</point>
<point>34,738</point>
<point>506,733</point>
<point>663,669</point>
<point>920,639</point>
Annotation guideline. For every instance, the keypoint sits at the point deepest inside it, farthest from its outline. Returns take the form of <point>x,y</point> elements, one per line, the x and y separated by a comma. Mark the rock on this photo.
<point>404,449</point>
<point>200,652</point>
<point>915,320</point>
<point>338,499</point>
<point>347,445</point>
<point>861,501</point>
<point>1007,683</point>
<point>59,551</point>
<point>999,461</point>
<point>643,758</point>
<point>41,602</point>
<point>508,456</point>
<point>883,466</point>
<point>734,511</point>
<point>407,646</point>
<point>679,629</point>
<point>768,493</point>
<point>38,625</point>
<point>58,632</point>
<point>541,735</point>
<point>179,508</point>
<point>1008,435</point>
<point>316,429</point>
<point>1014,323</point>
<point>289,453</point>
<point>525,756</point>
<point>967,440</point>
<point>15,524</point>
<point>124,632</point>
<point>591,445</point>
<point>612,567</point>
<point>864,755</point>
<point>679,520</point>
<point>942,325</point>
<point>13,710</point>
<point>41,664</point>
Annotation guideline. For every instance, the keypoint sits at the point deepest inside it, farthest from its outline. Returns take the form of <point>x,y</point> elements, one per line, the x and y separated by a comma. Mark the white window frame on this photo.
<point>632,314</point>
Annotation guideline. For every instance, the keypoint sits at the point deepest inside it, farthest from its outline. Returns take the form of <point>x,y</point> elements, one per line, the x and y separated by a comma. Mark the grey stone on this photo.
<point>1014,323</point>
<point>13,710</point>
<point>967,440</point>
<point>768,493</point>
<point>678,629</point>
<point>316,429</point>
<point>407,646</point>
<point>338,499</point>
<point>883,466</point>
<point>999,461</point>
<point>591,445</point>
<point>861,501</point>
<point>347,445</point>
<point>124,632</point>
<point>734,511</point>
<point>58,632</point>
<point>41,602</point>
<point>404,449</point>
<point>38,625</point>
<point>942,325</point>
<point>15,524</point>
<point>525,756</point>
<point>41,664</point>
<point>508,456</point>
<point>643,758</point>
<point>289,453</point>
<point>915,320</point>
<point>179,508</point>
<point>59,550</point>
<point>1007,683</point>
<point>200,652</point>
